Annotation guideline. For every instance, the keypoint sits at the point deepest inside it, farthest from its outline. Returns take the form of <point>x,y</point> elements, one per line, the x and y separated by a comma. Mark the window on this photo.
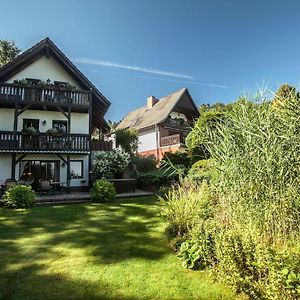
<point>60,84</point>
<point>76,168</point>
<point>33,81</point>
<point>60,126</point>
<point>35,123</point>
<point>39,170</point>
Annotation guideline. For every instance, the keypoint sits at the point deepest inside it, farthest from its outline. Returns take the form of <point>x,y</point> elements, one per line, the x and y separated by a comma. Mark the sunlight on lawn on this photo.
<point>99,251</point>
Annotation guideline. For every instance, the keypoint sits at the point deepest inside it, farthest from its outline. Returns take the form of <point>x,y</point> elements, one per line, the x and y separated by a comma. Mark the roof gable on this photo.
<point>48,48</point>
<point>144,117</point>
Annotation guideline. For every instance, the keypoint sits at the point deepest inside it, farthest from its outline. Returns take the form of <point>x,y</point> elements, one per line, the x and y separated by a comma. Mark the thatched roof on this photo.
<point>144,117</point>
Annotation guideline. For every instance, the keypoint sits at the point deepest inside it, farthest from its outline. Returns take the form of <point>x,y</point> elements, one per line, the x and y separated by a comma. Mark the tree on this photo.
<point>112,125</point>
<point>127,138</point>
<point>8,51</point>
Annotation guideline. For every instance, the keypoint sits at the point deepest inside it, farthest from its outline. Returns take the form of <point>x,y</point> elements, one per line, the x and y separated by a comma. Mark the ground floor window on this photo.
<point>36,170</point>
<point>76,168</point>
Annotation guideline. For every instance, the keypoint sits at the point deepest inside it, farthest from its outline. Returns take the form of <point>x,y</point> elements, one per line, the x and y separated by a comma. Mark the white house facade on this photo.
<point>48,110</point>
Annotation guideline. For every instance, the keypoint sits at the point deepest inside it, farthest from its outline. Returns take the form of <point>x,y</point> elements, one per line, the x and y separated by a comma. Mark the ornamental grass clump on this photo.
<point>185,206</point>
<point>251,238</point>
<point>257,156</point>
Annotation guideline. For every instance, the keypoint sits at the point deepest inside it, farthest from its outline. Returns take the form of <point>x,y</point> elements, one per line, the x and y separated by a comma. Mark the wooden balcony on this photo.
<point>47,143</point>
<point>42,96</point>
<point>171,140</point>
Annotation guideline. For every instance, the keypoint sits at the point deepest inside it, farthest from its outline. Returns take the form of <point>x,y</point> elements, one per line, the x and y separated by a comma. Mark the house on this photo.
<point>162,124</point>
<point>48,110</point>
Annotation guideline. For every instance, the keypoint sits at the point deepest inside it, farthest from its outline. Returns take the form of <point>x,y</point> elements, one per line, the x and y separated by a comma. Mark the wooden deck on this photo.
<point>82,197</point>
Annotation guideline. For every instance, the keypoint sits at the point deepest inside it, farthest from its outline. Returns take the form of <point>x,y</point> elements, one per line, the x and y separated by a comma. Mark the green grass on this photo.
<point>95,251</point>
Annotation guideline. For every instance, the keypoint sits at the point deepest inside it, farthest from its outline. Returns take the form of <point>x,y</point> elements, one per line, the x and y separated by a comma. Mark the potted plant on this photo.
<point>53,131</point>
<point>30,131</point>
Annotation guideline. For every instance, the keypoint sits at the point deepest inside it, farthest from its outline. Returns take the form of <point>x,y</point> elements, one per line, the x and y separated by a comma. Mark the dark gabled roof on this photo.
<point>48,48</point>
<point>144,117</point>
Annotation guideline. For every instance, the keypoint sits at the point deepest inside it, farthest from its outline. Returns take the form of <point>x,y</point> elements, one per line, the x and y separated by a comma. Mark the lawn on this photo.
<point>95,251</point>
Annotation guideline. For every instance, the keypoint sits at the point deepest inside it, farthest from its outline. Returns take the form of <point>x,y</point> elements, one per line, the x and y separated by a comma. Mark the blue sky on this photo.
<point>131,49</point>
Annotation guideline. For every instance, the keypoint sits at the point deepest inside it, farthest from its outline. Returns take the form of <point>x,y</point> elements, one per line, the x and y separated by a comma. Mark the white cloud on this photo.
<point>109,64</point>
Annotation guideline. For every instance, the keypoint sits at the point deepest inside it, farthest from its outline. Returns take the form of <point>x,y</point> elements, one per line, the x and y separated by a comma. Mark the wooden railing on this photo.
<point>44,142</point>
<point>171,140</point>
<point>45,95</point>
<point>48,142</point>
<point>98,145</point>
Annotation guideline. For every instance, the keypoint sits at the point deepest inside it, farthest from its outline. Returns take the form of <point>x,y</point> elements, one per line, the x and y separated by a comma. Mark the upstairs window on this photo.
<point>33,81</point>
<point>60,84</point>
<point>60,126</point>
<point>35,123</point>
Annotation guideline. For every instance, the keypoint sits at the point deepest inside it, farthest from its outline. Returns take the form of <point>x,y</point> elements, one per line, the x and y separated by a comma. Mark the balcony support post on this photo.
<point>68,173</point>
<point>16,120</point>
<point>90,136</point>
<point>69,126</point>
<point>13,166</point>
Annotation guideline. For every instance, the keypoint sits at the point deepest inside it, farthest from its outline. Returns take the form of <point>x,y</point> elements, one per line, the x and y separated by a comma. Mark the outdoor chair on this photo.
<point>10,183</point>
<point>45,186</point>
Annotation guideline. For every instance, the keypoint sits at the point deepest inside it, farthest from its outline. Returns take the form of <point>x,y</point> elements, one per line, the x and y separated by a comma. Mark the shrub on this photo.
<point>201,170</point>
<point>107,163</point>
<point>177,158</point>
<point>103,191</point>
<point>19,196</point>
<point>258,270</point>
<point>155,178</point>
<point>143,164</point>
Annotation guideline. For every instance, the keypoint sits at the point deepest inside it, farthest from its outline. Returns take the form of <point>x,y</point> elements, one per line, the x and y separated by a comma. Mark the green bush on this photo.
<point>177,158</point>
<point>19,196</point>
<point>155,178</point>
<point>109,163</point>
<point>103,191</point>
<point>201,170</point>
<point>143,164</point>
<point>258,270</point>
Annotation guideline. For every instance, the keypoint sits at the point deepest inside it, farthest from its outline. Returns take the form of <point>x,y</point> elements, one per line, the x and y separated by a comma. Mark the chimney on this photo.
<point>151,101</point>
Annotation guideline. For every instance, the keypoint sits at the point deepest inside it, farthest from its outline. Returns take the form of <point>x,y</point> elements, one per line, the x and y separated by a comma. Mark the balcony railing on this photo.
<point>43,95</point>
<point>171,140</point>
<point>43,142</point>
<point>98,145</point>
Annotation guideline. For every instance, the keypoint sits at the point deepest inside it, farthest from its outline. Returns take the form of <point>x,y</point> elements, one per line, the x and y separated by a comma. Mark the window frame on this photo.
<point>31,120</point>
<point>61,121</point>
<point>77,160</point>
